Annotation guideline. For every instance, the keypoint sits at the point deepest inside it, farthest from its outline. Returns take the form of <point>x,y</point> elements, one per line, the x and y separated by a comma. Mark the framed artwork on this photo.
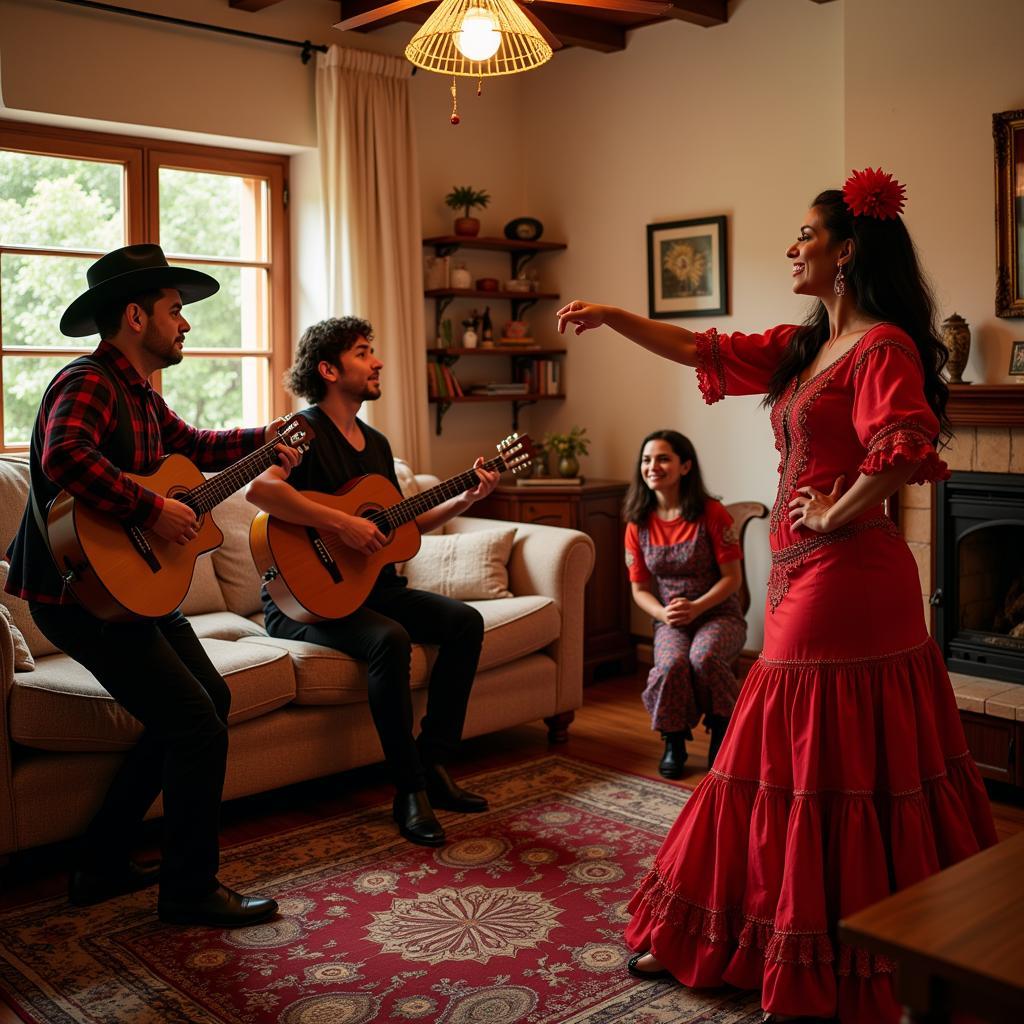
<point>1017,359</point>
<point>686,268</point>
<point>1008,133</point>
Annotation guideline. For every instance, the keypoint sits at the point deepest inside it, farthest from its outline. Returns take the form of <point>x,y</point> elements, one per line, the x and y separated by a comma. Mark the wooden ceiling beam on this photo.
<point>251,5</point>
<point>360,14</point>
<point>588,33</point>
<point>705,13</point>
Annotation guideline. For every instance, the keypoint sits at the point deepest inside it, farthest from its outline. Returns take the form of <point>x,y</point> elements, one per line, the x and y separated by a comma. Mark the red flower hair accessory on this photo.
<point>870,193</point>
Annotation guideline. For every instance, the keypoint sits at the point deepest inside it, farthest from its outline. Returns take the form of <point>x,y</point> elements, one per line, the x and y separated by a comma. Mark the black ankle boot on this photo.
<point>717,724</point>
<point>672,761</point>
<point>448,795</point>
<point>415,819</point>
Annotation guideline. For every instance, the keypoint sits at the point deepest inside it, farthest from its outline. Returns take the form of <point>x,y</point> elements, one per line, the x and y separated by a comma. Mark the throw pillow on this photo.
<point>37,643</point>
<point>464,566</point>
<point>406,478</point>
<point>23,660</point>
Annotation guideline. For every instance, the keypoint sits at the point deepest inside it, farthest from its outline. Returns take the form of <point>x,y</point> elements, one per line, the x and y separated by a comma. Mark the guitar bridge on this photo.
<point>326,559</point>
<point>143,547</point>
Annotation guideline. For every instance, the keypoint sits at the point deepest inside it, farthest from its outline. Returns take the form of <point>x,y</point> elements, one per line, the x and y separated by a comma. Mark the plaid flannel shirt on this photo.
<point>80,417</point>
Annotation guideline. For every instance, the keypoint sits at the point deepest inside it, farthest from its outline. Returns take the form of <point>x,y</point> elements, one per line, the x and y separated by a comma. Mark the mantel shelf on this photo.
<point>986,405</point>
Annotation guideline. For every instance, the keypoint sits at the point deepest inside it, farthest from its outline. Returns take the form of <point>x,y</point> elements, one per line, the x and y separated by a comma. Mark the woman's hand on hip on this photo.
<point>810,508</point>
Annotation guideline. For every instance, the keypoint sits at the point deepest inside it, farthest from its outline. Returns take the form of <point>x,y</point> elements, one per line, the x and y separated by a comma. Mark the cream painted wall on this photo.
<point>744,119</point>
<point>923,78</point>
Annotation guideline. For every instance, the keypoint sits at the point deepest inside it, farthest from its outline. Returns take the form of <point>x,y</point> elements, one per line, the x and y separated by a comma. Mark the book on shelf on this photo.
<point>549,481</point>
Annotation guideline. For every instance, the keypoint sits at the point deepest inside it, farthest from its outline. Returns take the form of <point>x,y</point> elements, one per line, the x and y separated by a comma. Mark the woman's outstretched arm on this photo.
<point>666,340</point>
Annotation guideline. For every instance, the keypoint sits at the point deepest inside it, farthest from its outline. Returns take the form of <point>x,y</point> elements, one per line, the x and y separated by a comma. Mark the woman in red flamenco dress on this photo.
<point>844,775</point>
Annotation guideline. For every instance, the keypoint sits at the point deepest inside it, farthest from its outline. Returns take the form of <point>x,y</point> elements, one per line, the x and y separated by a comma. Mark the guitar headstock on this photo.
<point>297,433</point>
<point>516,450</point>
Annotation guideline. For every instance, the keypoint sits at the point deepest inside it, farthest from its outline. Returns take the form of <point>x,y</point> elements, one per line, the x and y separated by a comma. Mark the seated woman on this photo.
<point>684,566</point>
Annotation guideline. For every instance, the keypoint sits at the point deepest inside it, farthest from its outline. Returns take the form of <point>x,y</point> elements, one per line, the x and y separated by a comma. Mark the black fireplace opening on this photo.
<point>979,574</point>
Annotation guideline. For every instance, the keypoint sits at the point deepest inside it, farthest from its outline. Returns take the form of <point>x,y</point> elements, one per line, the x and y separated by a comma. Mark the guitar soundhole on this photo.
<point>375,514</point>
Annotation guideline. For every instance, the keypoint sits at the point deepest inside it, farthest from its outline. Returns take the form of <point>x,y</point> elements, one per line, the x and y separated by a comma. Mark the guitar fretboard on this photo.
<point>208,495</point>
<point>407,510</point>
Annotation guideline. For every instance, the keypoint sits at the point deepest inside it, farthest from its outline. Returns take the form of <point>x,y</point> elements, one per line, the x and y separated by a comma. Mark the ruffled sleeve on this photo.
<point>890,414</point>
<point>739,364</point>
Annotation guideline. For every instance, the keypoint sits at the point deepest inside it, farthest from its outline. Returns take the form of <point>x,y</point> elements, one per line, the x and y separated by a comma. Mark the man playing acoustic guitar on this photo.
<point>336,369</point>
<point>98,421</point>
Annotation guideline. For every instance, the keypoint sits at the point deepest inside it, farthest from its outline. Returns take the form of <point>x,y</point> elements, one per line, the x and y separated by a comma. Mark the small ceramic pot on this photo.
<point>469,338</point>
<point>486,284</point>
<point>515,329</point>
<point>461,278</point>
<point>568,465</point>
<point>467,227</point>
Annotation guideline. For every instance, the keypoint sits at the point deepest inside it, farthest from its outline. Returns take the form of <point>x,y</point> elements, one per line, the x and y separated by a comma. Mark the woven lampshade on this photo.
<point>434,48</point>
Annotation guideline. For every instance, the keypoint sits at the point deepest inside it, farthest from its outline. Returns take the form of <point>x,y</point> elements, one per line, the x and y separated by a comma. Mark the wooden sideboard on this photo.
<point>595,508</point>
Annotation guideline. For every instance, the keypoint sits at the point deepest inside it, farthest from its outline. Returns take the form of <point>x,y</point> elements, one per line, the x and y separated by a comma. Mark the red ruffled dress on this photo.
<point>844,775</point>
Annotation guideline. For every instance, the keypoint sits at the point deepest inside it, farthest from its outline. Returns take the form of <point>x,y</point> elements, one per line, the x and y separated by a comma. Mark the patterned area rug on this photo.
<point>518,919</point>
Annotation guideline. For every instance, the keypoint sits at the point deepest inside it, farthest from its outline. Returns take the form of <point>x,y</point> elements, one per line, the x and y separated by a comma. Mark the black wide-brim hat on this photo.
<point>126,272</point>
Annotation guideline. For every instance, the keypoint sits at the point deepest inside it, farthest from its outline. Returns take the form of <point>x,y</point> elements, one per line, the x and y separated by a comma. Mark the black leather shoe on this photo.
<point>717,724</point>
<point>638,972</point>
<point>448,795</point>
<point>222,908</point>
<point>88,887</point>
<point>416,819</point>
<point>672,761</point>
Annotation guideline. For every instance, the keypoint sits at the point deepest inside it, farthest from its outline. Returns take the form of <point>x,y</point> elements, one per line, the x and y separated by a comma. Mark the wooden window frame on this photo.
<point>142,159</point>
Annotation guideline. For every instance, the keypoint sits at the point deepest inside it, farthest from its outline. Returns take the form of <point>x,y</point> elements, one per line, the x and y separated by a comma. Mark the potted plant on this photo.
<point>568,448</point>
<point>465,197</point>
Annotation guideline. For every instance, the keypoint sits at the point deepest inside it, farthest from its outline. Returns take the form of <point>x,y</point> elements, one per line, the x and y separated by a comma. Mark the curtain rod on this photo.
<point>305,45</point>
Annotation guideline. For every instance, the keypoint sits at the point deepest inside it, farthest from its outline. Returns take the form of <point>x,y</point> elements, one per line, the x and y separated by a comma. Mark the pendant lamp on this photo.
<point>477,39</point>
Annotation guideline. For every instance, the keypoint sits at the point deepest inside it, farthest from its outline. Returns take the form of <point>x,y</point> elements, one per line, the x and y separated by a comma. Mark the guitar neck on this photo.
<point>208,495</point>
<point>407,510</point>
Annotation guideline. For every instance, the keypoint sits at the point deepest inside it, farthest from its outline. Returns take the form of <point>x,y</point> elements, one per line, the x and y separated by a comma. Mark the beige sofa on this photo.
<point>298,710</point>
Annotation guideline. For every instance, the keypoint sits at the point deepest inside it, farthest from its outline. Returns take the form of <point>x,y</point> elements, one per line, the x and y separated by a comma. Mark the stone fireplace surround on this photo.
<point>988,421</point>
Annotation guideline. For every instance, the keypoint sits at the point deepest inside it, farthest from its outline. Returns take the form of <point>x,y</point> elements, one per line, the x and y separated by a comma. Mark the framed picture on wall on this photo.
<point>686,268</point>
<point>1008,134</point>
<point>1017,359</point>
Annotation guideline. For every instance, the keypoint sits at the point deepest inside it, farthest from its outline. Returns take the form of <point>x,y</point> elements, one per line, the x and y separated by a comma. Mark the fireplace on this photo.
<point>979,574</point>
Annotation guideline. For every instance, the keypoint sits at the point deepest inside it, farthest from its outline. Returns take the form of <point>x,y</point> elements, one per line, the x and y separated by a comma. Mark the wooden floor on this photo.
<point>611,728</point>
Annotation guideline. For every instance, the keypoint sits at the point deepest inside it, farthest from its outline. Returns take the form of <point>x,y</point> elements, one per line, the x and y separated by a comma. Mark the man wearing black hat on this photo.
<point>99,420</point>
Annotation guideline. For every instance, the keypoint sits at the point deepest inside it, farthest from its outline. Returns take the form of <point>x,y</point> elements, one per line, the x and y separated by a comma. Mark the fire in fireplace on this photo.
<point>979,574</point>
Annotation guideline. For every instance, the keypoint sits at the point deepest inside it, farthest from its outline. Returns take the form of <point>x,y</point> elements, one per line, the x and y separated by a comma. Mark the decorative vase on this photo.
<point>467,227</point>
<point>568,466</point>
<point>956,336</point>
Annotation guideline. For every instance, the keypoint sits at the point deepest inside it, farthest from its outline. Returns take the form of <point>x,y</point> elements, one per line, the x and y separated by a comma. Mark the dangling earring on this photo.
<point>840,284</point>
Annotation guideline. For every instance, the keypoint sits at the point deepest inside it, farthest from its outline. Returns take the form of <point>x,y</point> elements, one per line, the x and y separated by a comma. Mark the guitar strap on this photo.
<point>122,441</point>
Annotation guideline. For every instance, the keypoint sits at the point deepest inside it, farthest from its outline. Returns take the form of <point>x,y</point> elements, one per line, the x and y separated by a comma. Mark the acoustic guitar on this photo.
<point>313,576</point>
<point>120,572</point>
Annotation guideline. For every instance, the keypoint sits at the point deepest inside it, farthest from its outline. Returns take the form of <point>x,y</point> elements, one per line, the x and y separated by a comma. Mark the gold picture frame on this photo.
<point>1008,136</point>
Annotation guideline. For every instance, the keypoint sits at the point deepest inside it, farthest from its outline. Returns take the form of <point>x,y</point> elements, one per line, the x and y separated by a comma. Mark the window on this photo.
<point>69,197</point>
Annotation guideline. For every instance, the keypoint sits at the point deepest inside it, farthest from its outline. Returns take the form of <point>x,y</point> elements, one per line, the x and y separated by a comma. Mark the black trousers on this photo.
<point>382,633</point>
<point>158,671</point>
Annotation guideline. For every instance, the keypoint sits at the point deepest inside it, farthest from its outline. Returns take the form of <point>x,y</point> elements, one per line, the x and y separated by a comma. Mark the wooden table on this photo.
<point>957,938</point>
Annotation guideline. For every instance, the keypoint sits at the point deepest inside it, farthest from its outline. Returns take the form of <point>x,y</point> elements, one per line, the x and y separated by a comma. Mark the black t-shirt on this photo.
<point>332,462</point>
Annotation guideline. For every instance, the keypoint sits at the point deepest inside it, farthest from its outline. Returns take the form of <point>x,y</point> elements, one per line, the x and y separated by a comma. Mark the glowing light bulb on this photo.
<point>478,37</point>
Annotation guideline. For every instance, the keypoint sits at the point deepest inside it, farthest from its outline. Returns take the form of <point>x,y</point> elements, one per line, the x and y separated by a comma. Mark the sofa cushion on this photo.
<point>23,660</point>
<point>225,626</point>
<point>463,566</point>
<point>61,706</point>
<point>232,561</point>
<point>516,626</point>
<point>513,627</point>
<point>204,595</point>
<point>326,676</point>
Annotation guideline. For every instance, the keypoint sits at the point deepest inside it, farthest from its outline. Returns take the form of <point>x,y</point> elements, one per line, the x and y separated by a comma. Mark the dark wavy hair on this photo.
<point>641,501</point>
<point>885,278</point>
<point>323,342</point>
<point>108,317</point>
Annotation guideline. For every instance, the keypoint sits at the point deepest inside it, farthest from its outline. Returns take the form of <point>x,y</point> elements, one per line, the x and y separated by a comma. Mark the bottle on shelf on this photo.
<point>486,329</point>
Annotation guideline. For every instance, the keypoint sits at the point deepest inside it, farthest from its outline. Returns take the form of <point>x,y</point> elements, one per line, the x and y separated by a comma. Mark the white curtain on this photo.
<point>374,241</point>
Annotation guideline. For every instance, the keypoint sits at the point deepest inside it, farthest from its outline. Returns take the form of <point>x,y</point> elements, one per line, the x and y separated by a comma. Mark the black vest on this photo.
<point>32,567</point>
